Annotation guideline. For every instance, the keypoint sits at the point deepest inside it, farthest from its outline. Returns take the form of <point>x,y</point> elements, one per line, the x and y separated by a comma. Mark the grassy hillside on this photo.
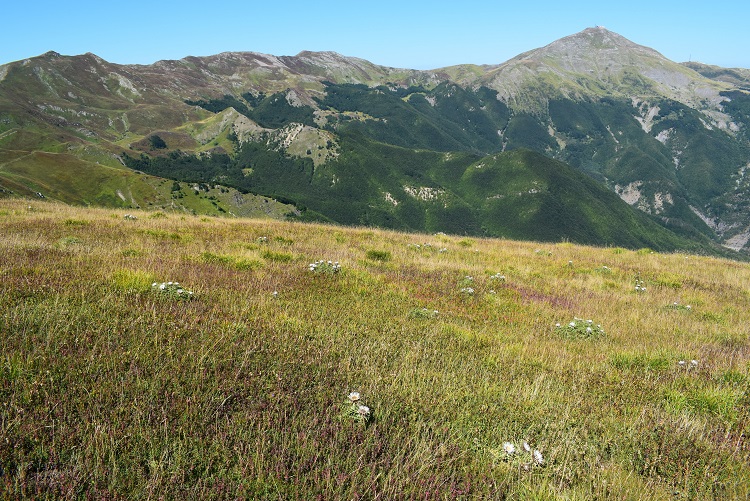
<point>66,178</point>
<point>350,142</point>
<point>112,387</point>
<point>516,194</point>
<point>660,148</point>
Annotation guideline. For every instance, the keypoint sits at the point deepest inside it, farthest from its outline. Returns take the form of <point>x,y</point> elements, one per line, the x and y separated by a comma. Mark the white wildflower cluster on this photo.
<point>678,306</point>
<point>640,286</point>
<point>498,277</point>
<point>424,313</point>
<point>354,409</point>
<point>467,285</point>
<point>693,364</point>
<point>329,267</point>
<point>171,289</point>
<point>524,456</point>
<point>424,246</point>
<point>129,217</point>
<point>605,269</point>
<point>580,329</point>
<point>262,240</point>
<point>443,250</point>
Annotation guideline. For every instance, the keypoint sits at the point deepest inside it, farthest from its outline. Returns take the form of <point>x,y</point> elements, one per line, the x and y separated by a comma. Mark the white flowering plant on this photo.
<point>467,285</point>
<point>423,313</point>
<point>353,408</point>
<point>579,328</point>
<point>325,267</point>
<point>640,285</point>
<point>172,290</point>
<point>691,365</point>
<point>679,307</point>
<point>419,246</point>
<point>522,455</point>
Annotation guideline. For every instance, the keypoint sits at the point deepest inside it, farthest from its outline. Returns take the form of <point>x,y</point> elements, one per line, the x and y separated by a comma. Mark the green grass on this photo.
<point>378,255</point>
<point>70,179</point>
<point>111,389</point>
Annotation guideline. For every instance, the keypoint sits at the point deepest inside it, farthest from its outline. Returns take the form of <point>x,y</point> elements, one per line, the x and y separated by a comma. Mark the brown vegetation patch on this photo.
<point>536,296</point>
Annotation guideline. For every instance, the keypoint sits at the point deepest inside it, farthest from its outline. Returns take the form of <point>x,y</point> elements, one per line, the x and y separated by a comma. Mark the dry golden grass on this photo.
<point>112,389</point>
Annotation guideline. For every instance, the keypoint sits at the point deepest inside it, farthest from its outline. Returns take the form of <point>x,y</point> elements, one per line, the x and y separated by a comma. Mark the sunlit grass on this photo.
<point>112,387</point>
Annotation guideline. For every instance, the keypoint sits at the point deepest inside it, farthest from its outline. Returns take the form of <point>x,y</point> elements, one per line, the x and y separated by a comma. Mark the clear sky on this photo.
<point>406,34</point>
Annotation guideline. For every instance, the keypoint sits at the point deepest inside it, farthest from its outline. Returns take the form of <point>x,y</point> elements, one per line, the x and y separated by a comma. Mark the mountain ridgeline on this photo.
<point>592,139</point>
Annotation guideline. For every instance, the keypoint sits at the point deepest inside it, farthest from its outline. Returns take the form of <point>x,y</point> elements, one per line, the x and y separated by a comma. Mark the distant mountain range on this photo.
<point>592,138</point>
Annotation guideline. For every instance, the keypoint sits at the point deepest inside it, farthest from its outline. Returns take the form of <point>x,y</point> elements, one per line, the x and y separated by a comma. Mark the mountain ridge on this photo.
<point>307,68</point>
<point>668,139</point>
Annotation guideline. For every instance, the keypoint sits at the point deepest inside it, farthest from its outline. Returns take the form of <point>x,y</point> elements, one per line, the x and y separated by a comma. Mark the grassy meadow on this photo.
<point>421,368</point>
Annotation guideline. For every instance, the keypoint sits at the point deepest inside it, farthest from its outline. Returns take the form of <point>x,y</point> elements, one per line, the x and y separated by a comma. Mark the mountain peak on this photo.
<point>600,31</point>
<point>593,50</point>
<point>596,62</point>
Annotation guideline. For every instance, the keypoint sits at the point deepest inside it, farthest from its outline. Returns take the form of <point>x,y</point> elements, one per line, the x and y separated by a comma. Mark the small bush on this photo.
<point>171,290</point>
<point>246,264</point>
<point>717,402</point>
<point>630,361</point>
<point>76,222</point>
<point>732,378</point>
<point>325,267</point>
<point>163,234</point>
<point>709,316</point>
<point>66,241</point>
<point>423,313</point>
<point>580,329</point>
<point>210,257</point>
<point>378,255</point>
<point>283,241</point>
<point>237,263</point>
<point>131,252</point>
<point>279,257</point>
<point>668,280</point>
<point>132,280</point>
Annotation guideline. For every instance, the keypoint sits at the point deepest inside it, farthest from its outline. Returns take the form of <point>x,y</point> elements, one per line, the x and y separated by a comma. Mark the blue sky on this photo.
<point>404,34</point>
